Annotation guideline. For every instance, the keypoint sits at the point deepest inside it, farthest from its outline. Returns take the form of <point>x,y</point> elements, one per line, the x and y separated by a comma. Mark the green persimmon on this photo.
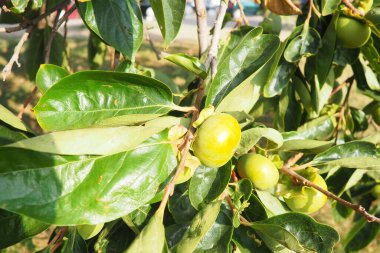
<point>352,33</point>
<point>306,199</point>
<point>376,114</point>
<point>363,5</point>
<point>259,169</point>
<point>89,231</point>
<point>216,140</point>
<point>376,191</point>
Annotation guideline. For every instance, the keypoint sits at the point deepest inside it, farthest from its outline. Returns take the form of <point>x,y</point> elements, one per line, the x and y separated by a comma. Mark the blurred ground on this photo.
<point>15,89</point>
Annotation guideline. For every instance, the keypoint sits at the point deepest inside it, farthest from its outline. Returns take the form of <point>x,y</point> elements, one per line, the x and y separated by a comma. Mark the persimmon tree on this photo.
<point>128,164</point>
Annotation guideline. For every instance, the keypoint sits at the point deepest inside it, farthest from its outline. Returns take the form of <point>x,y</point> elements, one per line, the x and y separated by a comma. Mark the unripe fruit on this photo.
<point>89,231</point>
<point>307,199</point>
<point>259,169</point>
<point>376,191</point>
<point>376,114</point>
<point>352,33</point>
<point>216,140</point>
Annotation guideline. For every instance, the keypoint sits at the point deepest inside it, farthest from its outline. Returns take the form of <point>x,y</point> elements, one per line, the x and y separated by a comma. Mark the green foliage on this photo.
<point>111,141</point>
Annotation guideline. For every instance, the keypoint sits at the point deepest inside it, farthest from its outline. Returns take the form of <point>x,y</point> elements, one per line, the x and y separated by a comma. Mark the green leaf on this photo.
<point>169,15</point>
<point>190,63</point>
<point>329,6</point>
<point>304,45</point>
<point>320,128</point>
<point>115,237</point>
<point>253,51</point>
<point>305,145</point>
<point>151,239</point>
<point>207,184</point>
<point>247,241</point>
<point>251,137</point>
<point>361,234</point>
<point>218,238</point>
<point>74,243</point>
<point>320,92</point>
<point>10,119</point>
<point>180,206</point>
<point>75,190</point>
<point>86,11</point>
<point>136,219</point>
<point>233,39</point>
<point>120,24</point>
<point>93,141</point>
<point>272,204</point>
<point>288,115</point>
<point>19,5</point>
<point>199,227</point>
<point>325,54</point>
<point>48,75</point>
<point>9,135</point>
<point>100,98</point>
<point>355,154</point>
<point>15,228</point>
<point>297,232</point>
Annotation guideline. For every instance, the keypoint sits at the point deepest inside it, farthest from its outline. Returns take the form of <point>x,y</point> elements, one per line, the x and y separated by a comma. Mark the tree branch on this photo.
<point>155,50</point>
<point>242,14</point>
<point>211,60</point>
<point>28,23</point>
<point>357,208</point>
<point>200,10</point>
<point>14,59</point>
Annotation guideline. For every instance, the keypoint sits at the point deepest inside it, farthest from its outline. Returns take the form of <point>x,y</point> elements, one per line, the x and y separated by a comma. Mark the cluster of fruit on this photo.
<point>214,145</point>
<point>352,30</point>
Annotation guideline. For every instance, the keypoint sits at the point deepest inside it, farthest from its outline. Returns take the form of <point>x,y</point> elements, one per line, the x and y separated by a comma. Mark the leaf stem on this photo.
<point>241,8</point>
<point>357,208</point>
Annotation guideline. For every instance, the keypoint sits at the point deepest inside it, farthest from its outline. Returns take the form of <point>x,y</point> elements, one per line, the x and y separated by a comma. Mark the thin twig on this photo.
<point>311,5</point>
<point>14,59</point>
<point>358,208</point>
<point>27,102</point>
<point>65,17</point>
<point>155,50</point>
<point>200,10</point>
<point>28,23</point>
<point>57,241</point>
<point>51,38</point>
<point>352,7</point>
<point>211,60</point>
<point>242,14</point>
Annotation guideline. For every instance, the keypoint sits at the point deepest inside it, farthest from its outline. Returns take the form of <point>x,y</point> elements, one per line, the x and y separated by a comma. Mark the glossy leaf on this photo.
<point>218,238</point>
<point>93,141</point>
<point>297,232</point>
<point>180,206</point>
<point>86,11</point>
<point>120,24</point>
<point>272,204</point>
<point>207,184</point>
<point>305,145</point>
<point>115,237</point>
<point>289,112</point>
<point>74,190</point>
<point>99,98</point>
<point>247,241</point>
<point>9,118</point>
<point>251,137</point>
<point>169,15</point>
<point>199,227</point>
<point>329,6</point>
<point>361,234</point>
<point>9,135</point>
<point>325,54</point>
<point>151,239</point>
<point>48,75</point>
<point>74,243</point>
<point>19,5</point>
<point>246,58</point>
<point>15,228</point>
<point>96,51</point>
<point>320,128</point>
<point>355,154</point>
<point>304,45</point>
<point>190,63</point>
